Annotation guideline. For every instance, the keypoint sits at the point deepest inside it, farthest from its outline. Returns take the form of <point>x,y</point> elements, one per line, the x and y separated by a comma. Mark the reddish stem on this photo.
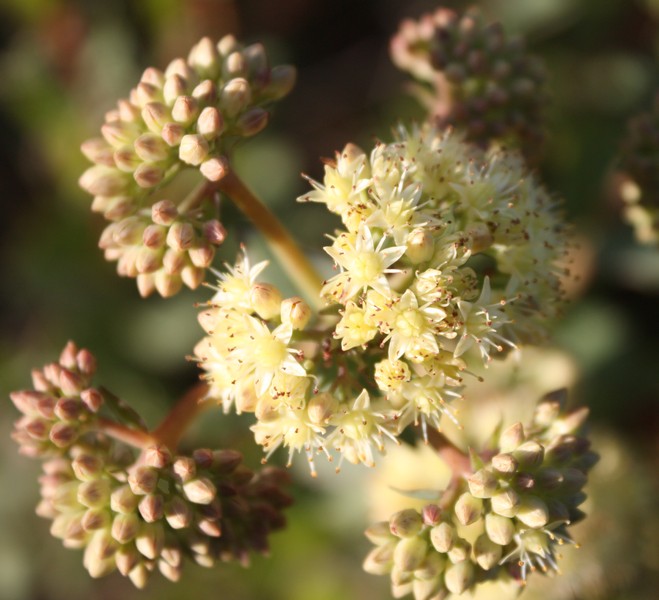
<point>455,458</point>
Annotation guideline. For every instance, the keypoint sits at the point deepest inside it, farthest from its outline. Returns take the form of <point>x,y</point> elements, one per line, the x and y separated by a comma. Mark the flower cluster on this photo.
<point>138,514</point>
<point>448,257</point>
<point>504,521</point>
<point>639,162</point>
<point>188,116</point>
<point>483,83</point>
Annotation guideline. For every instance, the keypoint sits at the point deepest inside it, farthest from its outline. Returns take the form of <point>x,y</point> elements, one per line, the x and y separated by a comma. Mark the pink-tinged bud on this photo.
<point>68,409</point>
<point>87,467</point>
<point>214,232</point>
<point>52,372</point>
<point>468,509</point>
<point>35,428</point>
<point>172,556</point>
<point>63,434</point>
<point>39,381</point>
<point>235,64</point>
<point>153,76</point>
<point>265,299</point>
<point>178,513</point>
<point>125,527</point>
<point>157,456</point>
<point>504,463</point>
<point>95,519</point>
<point>103,181</point>
<point>99,554</point>
<point>148,260</point>
<point>180,236</point>
<point>185,110</point>
<point>154,236</point>
<point>482,484</point>
<point>172,133</point>
<point>151,507</point>
<point>92,398</point>
<point>203,458</point>
<point>156,115</point>
<point>193,149</point>
<point>227,44</point>
<point>164,212</point>
<point>202,255</point>
<point>205,92</point>
<point>405,523</point>
<point>123,500</point>
<point>170,572</point>
<point>166,284</point>
<point>143,480</point>
<point>173,261</point>
<point>210,528</point>
<point>200,491</point>
<point>214,169</point>
<point>252,122</point>
<point>145,93</point>
<point>26,401</point>
<point>226,461</point>
<point>145,284</point>
<point>193,277</point>
<point>150,540</point>
<point>257,60</point>
<point>139,576</point>
<point>431,515</point>
<point>119,134</point>
<point>94,493</point>
<point>295,312</point>
<point>128,232</point>
<point>148,175</point>
<point>115,208</point>
<point>128,112</point>
<point>70,382</point>
<point>86,362</point>
<point>126,159</point>
<point>204,57</point>
<point>512,437</point>
<point>125,258</point>
<point>443,537</point>
<point>184,468</point>
<point>210,123</point>
<point>235,97</point>
<point>151,147</point>
<point>175,86</point>
<point>127,559</point>
<point>179,66</point>
<point>98,151</point>
<point>282,80</point>
<point>46,407</point>
<point>67,357</point>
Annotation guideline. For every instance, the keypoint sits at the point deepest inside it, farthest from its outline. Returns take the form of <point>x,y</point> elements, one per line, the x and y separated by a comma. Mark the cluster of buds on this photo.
<point>61,408</point>
<point>639,163</point>
<point>483,83</point>
<point>188,116</point>
<point>502,522</point>
<point>136,514</point>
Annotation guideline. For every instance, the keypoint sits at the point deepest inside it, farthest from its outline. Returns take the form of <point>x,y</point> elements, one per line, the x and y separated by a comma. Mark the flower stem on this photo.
<point>133,437</point>
<point>455,458</point>
<point>173,426</point>
<point>294,262</point>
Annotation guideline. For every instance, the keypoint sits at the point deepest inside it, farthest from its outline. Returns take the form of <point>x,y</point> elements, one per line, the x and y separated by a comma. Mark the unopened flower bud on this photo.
<point>505,503</point>
<point>175,86</point>
<point>156,116</point>
<point>295,312</point>
<point>143,480</point>
<point>529,454</point>
<point>164,212</point>
<point>192,276</point>
<point>265,299</point>
<point>214,232</point>
<point>487,552</point>
<point>201,256</point>
<point>204,57</point>
<point>94,493</point>
<point>379,560</point>
<point>150,540</point>
<point>459,551</point>
<point>468,509</point>
<point>533,511</point>
<point>200,491</point>
<point>151,507</point>
<point>210,123</point>
<point>443,537</point>
<point>118,134</point>
<point>126,159</point>
<point>215,168</point>
<point>148,175</point>
<point>431,514</point>
<point>62,435</point>
<point>499,529</point>
<point>205,92</point>
<point>178,513</point>
<point>193,149</point>
<point>405,523</point>
<point>180,236</point>
<point>167,284</point>
<point>123,500</point>
<point>125,527</point>
<point>95,519</point>
<point>151,148</point>
<point>235,97</point>
<point>482,484</point>
<point>409,553</point>
<point>185,110</point>
<point>459,577</point>
<point>511,438</point>
<point>379,533</point>
<point>504,463</point>
<point>282,80</point>
<point>420,246</point>
<point>252,122</point>
<point>172,133</point>
<point>87,467</point>
<point>98,151</point>
<point>321,407</point>
<point>100,180</point>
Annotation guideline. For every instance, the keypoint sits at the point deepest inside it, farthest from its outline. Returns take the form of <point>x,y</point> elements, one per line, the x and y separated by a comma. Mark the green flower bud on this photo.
<point>125,527</point>
<point>499,529</point>
<point>533,512</point>
<point>482,483</point>
<point>459,577</point>
<point>210,123</point>
<point>150,540</point>
<point>511,438</point>
<point>460,551</point>
<point>380,560</point>
<point>505,503</point>
<point>94,493</point>
<point>235,97</point>
<point>123,500</point>
<point>410,553</point>
<point>487,553</point>
<point>95,519</point>
<point>178,513</point>
<point>405,523</point>
<point>443,537</point>
<point>468,509</point>
<point>529,454</point>
<point>143,480</point>
<point>185,110</point>
<point>505,463</point>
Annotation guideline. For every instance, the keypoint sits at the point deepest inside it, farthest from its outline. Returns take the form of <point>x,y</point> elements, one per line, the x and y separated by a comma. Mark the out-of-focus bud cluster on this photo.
<point>61,407</point>
<point>505,521</point>
<point>639,164</point>
<point>132,514</point>
<point>483,82</point>
<point>188,115</point>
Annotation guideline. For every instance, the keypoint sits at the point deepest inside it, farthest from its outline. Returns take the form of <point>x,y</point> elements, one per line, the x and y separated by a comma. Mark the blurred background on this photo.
<point>63,63</point>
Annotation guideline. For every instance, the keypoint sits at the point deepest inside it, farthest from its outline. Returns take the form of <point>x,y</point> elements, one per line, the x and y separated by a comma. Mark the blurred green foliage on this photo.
<point>64,62</point>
